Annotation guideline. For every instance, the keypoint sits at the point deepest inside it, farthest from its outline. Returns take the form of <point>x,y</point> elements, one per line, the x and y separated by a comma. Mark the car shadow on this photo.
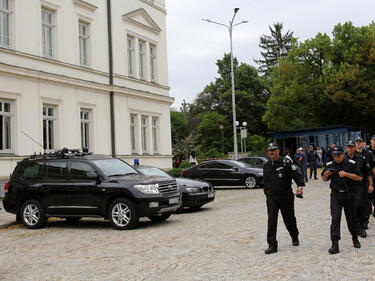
<point>102,224</point>
<point>233,188</point>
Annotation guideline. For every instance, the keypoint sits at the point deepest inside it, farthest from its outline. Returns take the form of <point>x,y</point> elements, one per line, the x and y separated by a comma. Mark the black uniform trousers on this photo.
<point>340,200</point>
<point>313,167</point>
<point>286,205</point>
<point>360,204</point>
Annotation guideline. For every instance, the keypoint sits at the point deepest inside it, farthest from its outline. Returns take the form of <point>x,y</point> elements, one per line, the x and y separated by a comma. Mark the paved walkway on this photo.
<point>223,241</point>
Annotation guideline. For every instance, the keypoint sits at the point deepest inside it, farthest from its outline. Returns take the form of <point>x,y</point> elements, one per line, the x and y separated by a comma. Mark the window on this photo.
<point>83,43</point>
<point>130,56</point>
<point>47,33</point>
<point>141,60</point>
<point>4,22</point>
<point>155,134</point>
<point>57,170</point>
<point>5,126</point>
<point>49,127</point>
<point>79,170</point>
<point>32,170</point>
<point>85,128</point>
<point>144,133</point>
<point>133,123</point>
<point>152,63</point>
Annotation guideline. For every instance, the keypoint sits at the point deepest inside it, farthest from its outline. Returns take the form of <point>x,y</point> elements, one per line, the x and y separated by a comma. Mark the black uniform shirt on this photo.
<point>372,158</point>
<point>278,176</point>
<point>347,165</point>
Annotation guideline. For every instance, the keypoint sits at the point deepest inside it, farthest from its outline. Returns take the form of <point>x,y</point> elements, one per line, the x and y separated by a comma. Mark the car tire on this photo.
<point>32,214</point>
<point>73,219</point>
<point>122,214</point>
<point>251,182</point>
<point>160,218</point>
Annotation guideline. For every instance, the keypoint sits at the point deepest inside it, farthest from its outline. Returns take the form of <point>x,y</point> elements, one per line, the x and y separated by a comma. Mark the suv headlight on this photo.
<point>147,188</point>
<point>193,189</point>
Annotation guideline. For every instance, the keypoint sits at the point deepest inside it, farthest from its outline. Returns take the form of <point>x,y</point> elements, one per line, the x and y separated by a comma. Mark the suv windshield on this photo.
<point>151,171</point>
<point>114,167</point>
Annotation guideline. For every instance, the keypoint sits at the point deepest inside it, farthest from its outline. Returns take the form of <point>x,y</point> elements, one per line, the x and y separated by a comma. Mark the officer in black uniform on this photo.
<point>278,173</point>
<point>372,165</point>
<point>312,159</point>
<point>367,180</point>
<point>344,175</point>
<point>360,193</point>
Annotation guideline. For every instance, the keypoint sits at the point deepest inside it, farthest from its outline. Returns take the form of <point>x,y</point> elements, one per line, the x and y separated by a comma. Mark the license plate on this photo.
<point>210,195</point>
<point>174,200</point>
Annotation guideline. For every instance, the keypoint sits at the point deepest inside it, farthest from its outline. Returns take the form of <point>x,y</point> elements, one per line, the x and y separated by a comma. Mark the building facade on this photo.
<point>55,84</point>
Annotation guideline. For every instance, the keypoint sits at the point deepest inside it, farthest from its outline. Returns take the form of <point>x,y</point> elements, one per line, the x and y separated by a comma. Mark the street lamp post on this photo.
<point>221,127</point>
<point>230,29</point>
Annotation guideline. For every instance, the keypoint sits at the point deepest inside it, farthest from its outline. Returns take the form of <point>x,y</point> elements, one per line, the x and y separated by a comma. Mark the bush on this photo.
<point>175,172</point>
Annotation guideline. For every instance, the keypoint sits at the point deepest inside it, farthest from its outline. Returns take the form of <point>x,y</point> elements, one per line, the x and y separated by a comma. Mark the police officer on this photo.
<point>312,159</point>
<point>328,156</point>
<point>278,173</point>
<point>367,181</point>
<point>360,193</point>
<point>372,165</point>
<point>344,175</point>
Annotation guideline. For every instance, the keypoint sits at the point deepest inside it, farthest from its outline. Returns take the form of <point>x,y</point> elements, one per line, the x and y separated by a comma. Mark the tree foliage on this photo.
<point>325,81</point>
<point>274,46</point>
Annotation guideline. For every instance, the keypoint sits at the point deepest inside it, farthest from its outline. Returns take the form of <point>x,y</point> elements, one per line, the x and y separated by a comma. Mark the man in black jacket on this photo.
<point>278,173</point>
<point>312,159</point>
<point>345,177</point>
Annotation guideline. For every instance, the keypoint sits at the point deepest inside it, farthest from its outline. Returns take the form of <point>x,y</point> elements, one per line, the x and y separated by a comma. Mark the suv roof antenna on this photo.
<point>44,150</point>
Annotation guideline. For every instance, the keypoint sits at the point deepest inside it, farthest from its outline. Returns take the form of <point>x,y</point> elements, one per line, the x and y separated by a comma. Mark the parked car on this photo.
<point>226,172</point>
<point>73,185</point>
<point>254,161</point>
<point>195,193</point>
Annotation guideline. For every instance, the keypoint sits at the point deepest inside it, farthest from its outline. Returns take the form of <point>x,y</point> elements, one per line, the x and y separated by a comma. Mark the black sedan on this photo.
<point>254,161</point>
<point>194,193</point>
<point>226,172</point>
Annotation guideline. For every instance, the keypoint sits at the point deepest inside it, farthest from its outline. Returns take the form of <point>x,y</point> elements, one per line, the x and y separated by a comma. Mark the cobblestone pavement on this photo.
<point>225,240</point>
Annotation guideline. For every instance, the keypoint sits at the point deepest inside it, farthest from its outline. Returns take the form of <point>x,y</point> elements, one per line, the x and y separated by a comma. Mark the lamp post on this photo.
<point>230,29</point>
<point>221,127</point>
<point>243,131</point>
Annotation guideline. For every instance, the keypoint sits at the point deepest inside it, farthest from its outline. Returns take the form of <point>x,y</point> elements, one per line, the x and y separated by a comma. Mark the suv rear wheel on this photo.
<point>32,214</point>
<point>122,214</point>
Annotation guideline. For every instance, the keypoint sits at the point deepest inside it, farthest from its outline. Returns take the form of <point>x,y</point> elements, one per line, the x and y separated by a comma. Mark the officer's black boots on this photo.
<point>335,248</point>
<point>295,241</point>
<point>363,233</point>
<point>356,243</point>
<point>271,249</point>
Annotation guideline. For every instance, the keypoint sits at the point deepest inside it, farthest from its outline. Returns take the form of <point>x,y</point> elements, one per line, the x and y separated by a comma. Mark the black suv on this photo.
<point>72,185</point>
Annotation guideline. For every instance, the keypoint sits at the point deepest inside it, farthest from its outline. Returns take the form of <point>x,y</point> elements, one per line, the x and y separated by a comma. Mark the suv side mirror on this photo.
<point>235,169</point>
<point>92,175</point>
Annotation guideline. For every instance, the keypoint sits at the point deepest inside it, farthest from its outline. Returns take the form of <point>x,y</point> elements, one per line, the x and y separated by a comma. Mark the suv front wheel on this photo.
<point>122,214</point>
<point>32,214</point>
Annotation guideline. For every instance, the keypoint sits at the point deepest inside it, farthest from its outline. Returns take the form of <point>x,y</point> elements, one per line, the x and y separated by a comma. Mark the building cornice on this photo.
<point>77,67</point>
<point>86,5</point>
<point>90,85</point>
<point>129,17</point>
<point>155,6</point>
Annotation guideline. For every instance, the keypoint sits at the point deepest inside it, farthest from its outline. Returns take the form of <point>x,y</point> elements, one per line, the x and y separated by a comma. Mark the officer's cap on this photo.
<point>272,146</point>
<point>300,149</point>
<point>359,138</point>
<point>350,143</point>
<point>337,150</point>
<point>373,137</point>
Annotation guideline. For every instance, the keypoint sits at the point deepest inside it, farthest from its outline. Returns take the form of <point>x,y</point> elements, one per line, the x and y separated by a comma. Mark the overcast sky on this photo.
<point>195,45</point>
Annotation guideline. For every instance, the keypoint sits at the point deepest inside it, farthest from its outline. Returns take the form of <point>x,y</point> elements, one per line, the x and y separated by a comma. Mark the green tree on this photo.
<point>178,126</point>
<point>274,46</point>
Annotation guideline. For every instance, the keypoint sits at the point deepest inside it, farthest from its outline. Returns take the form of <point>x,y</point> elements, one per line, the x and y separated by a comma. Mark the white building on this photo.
<point>55,79</point>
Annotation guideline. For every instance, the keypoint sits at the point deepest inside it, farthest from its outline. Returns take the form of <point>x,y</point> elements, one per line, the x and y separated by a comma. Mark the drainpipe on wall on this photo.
<point>110,58</point>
